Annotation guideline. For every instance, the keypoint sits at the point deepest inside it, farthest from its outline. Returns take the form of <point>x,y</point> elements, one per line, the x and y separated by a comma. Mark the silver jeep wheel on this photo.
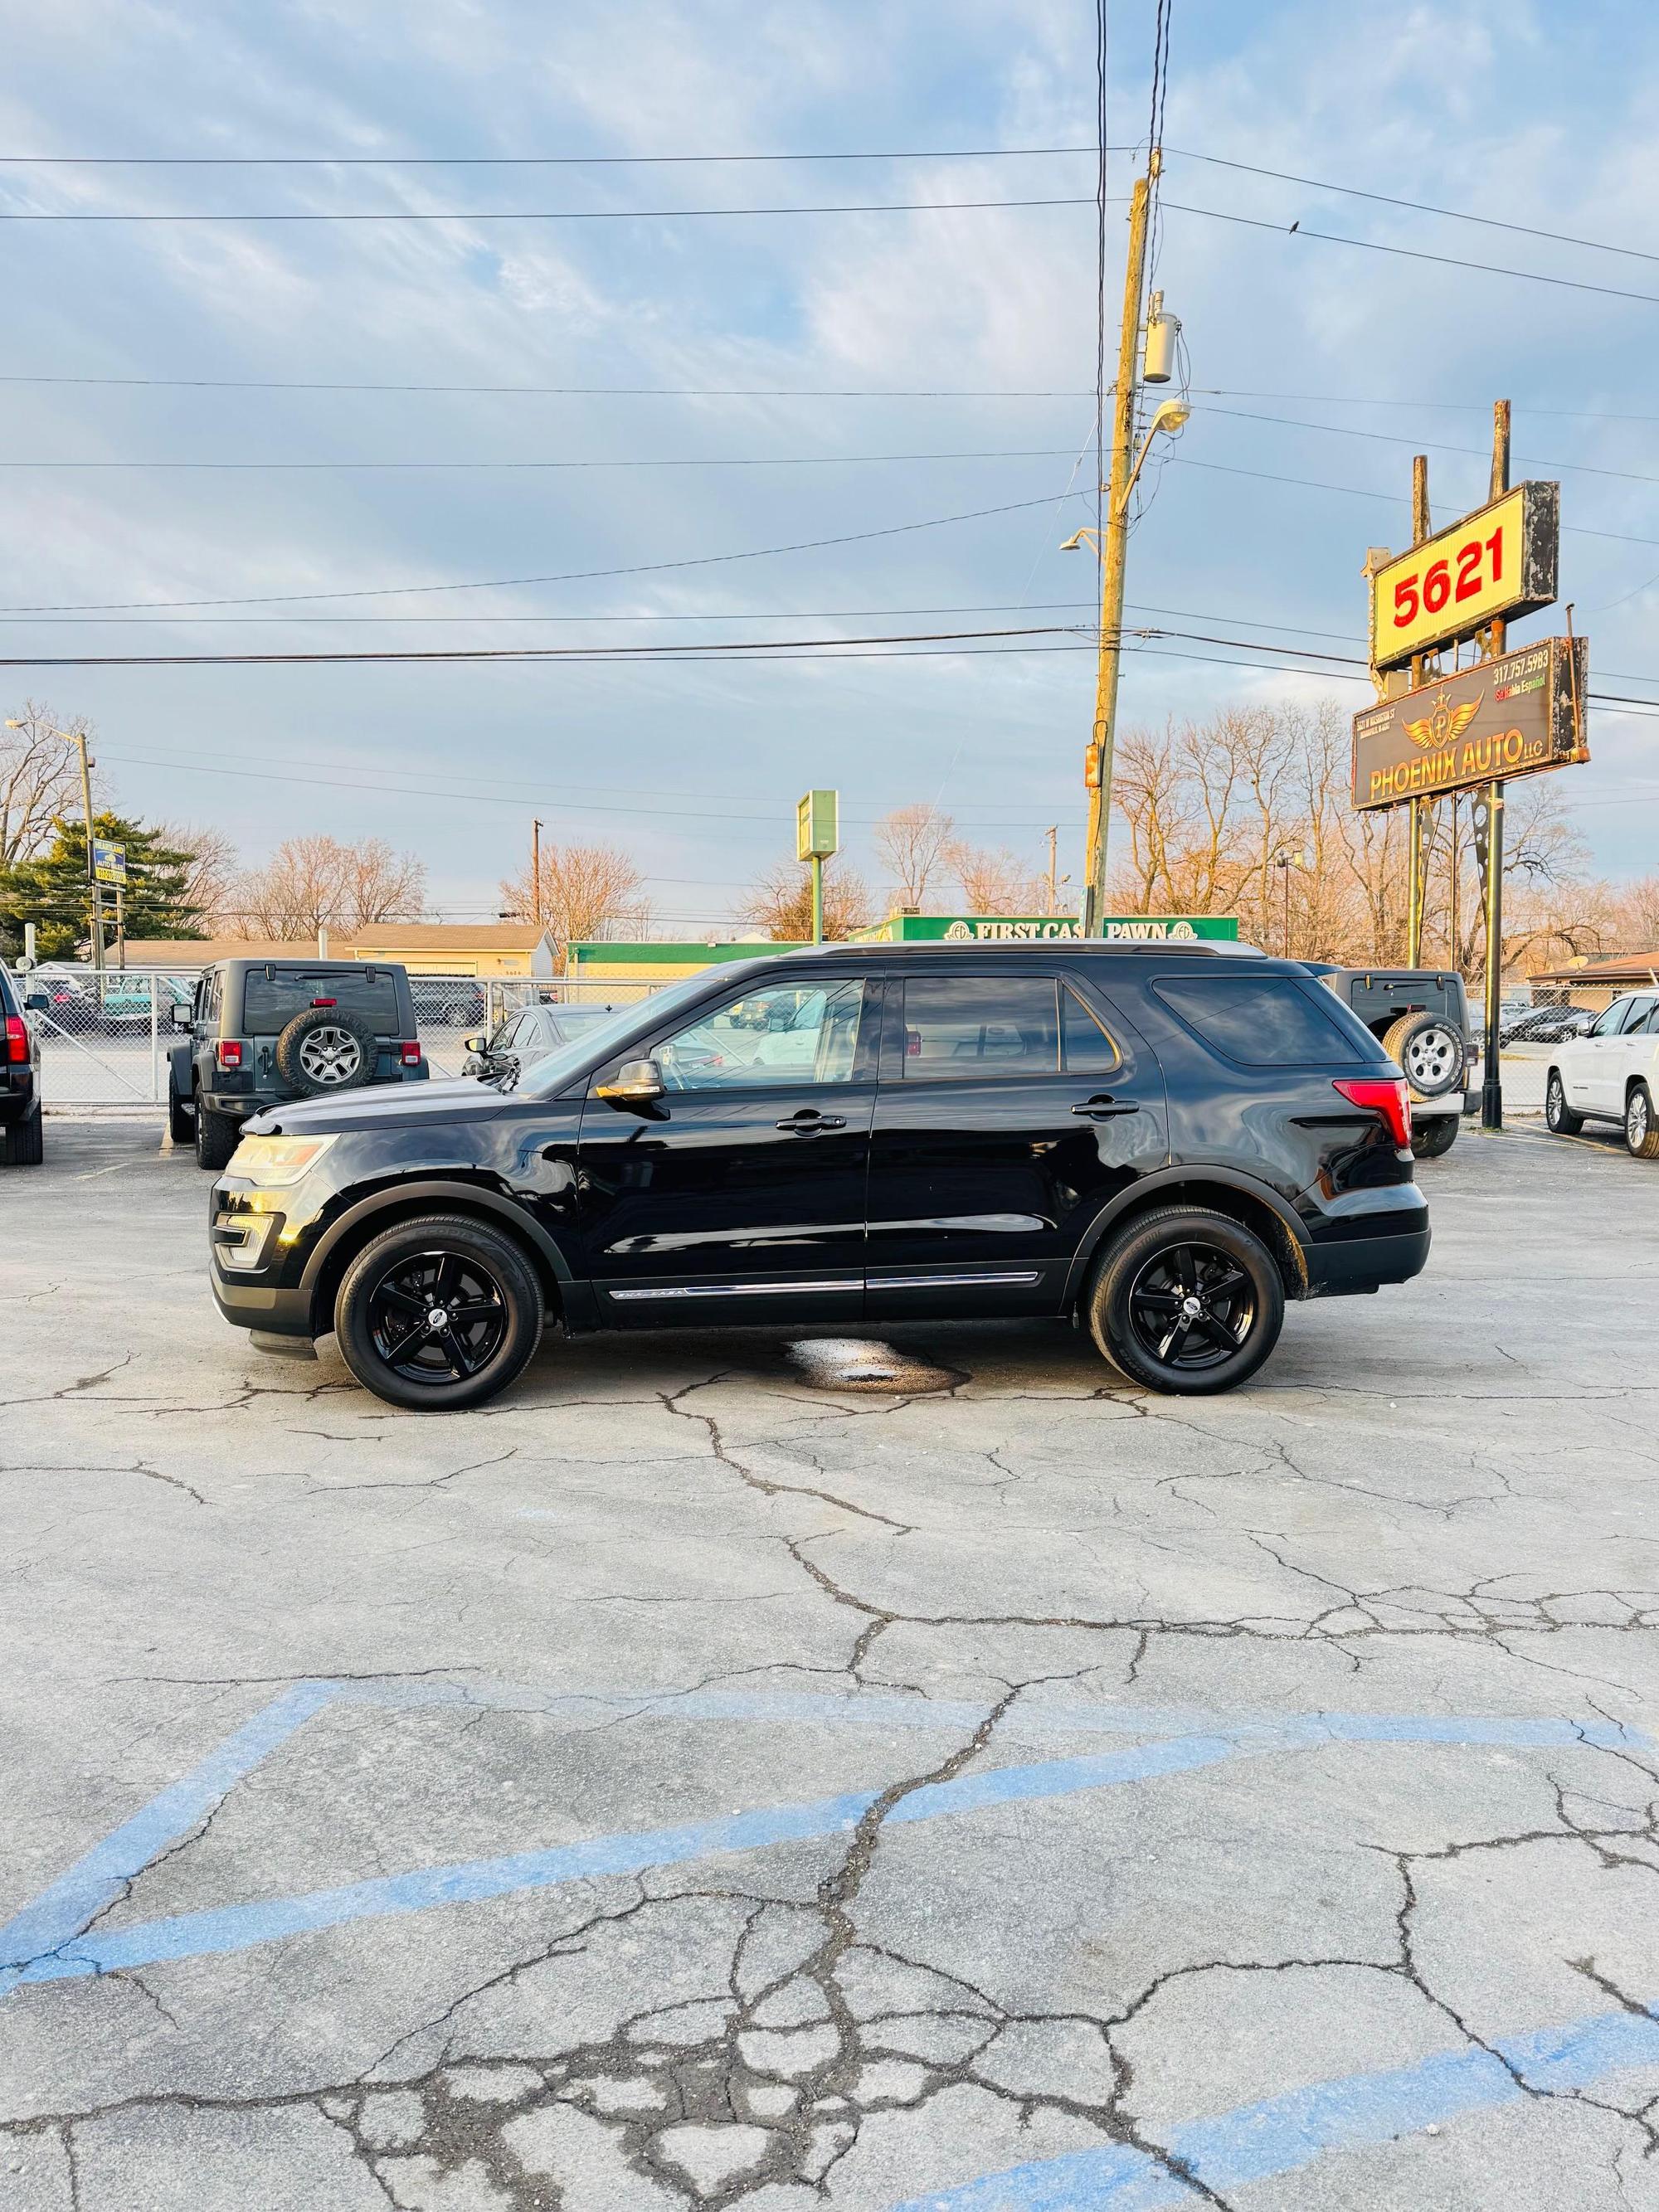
<point>331,1056</point>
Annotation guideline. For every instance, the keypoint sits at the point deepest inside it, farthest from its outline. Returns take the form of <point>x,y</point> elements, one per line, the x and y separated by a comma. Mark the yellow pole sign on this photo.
<point>1498,563</point>
<point>816,830</point>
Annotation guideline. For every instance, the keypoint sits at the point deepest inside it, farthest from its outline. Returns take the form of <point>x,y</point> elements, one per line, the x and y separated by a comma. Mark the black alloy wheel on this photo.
<point>439,1312</point>
<point>1187,1302</point>
<point>1558,1116</point>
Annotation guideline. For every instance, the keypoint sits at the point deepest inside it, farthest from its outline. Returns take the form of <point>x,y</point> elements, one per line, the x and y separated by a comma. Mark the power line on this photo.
<point>697,461</point>
<point>572,391</point>
<point>1414,253</point>
<point>516,161</point>
<point>539,215</point>
<point>1417,207</point>
<point>1435,445</point>
<point>506,583</point>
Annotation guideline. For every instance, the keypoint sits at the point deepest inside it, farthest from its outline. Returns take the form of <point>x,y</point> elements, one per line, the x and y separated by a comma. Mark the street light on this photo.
<point>1284,862</point>
<point>1111,544</point>
<point>79,737</point>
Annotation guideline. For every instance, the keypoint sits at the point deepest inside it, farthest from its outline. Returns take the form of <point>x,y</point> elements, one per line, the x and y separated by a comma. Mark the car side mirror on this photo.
<point>473,1044</point>
<point>636,1082</point>
<point>37,1003</point>
<point>181,1017</point>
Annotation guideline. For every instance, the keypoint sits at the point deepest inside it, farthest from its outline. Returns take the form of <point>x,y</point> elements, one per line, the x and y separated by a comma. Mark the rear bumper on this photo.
<point>18,1098</point>
<point>1362,1247</point>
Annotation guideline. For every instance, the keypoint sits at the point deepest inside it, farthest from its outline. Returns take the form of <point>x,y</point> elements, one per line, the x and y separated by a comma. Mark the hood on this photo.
<point>381,1106</point>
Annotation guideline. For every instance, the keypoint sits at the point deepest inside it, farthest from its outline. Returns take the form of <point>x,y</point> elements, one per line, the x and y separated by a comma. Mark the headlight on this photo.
<point>274,1163</point>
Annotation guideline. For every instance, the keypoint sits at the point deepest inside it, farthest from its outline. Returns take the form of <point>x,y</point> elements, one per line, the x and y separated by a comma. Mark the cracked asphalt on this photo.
<point>736,1771</point>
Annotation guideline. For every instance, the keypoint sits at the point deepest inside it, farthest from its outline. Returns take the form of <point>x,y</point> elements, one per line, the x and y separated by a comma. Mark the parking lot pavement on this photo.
<point>730,1772</point>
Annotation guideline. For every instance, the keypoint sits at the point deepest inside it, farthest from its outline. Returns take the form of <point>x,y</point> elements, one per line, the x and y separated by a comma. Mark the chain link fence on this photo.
<point>104,1040</point>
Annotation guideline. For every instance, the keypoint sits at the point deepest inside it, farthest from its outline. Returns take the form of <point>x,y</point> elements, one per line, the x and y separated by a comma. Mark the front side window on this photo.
<point>1612,1019</point>
<point>783,1034</point>
<point>972,1027</point>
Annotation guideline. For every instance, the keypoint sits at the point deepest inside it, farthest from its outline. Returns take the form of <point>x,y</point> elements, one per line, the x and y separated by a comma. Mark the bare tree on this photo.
<point>914,844</point>
<point>210,886</point>
<point>998,882</point>
<point>317,883</point>
<point>38,780</point>
<point>584,892</point>
<point>780,902</point>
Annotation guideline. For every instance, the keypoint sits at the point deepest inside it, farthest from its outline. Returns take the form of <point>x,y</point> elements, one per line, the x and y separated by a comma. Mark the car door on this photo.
<point>1012,1104</point>
<point>1631,1050</point>
<point>739,1194</point>
<point>1589,1065</point>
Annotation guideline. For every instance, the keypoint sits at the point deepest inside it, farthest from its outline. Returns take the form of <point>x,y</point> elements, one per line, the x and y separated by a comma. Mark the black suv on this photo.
<point>261,1031</point>
<point>1165,1142</point>
<point>20,1139</point>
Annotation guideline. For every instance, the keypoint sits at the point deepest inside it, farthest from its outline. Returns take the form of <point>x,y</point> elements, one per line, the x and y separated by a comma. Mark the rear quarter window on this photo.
<point>270,1002</point>
<point>1268,1021</point>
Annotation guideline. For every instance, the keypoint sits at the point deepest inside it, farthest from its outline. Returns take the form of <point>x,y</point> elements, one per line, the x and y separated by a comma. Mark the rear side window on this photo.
<point>1262,1021</point>
<point>979,1026</point>
<point>1088,1049</point>
<point>269,1001</point>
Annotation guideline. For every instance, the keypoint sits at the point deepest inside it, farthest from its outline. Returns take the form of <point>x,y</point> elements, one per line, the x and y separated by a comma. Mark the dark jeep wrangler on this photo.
<point>262,1032</point>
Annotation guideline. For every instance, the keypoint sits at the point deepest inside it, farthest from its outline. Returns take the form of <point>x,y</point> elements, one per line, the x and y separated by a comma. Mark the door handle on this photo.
<point>807,1123</point>
<point>1103,1108</point>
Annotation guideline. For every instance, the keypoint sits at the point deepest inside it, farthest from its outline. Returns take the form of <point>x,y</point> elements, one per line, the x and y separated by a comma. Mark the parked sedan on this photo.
<point>1611,1073</point>
<point>528,1036</point>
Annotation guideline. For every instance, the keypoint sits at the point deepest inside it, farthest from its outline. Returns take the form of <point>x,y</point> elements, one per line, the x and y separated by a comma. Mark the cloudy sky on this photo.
<point>709,342</point>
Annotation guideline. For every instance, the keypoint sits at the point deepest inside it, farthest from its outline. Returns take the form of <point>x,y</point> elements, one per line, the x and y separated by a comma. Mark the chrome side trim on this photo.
<point>740,1289</point>
<point>948,1282</point>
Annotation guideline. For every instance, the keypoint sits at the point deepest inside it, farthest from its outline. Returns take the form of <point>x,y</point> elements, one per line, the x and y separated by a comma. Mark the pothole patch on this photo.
<point>871,1368</point>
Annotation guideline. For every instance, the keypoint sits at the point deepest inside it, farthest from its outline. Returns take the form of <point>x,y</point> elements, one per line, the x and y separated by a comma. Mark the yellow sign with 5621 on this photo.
<point>1499,562</point>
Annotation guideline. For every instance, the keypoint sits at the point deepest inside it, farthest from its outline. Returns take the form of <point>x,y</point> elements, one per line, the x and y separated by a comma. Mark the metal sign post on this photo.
<point>817,838</point>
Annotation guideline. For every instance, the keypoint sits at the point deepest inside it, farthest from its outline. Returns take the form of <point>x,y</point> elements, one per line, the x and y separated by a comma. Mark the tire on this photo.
<point>1641,1124</point>
<point>1559,1117</point>
<point>1431,1137</point>
<point>1186,1253</point>
<point>322,1051</point>
<point>23,1143</point>
<point>1429,1051</point>
<point>398,1278</point>
<point>181,1121</point>
<point>215,1136</point>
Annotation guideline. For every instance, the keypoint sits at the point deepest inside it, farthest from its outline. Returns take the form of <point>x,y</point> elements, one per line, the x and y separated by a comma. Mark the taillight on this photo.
<point>410,1054</point>
<point>229,1052</point>
<point>17,1040</point>
<point>1386,1095</point>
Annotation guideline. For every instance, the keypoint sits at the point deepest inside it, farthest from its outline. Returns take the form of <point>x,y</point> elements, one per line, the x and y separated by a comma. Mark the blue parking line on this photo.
<point>1283,2134</point>
<point>42,1942</point>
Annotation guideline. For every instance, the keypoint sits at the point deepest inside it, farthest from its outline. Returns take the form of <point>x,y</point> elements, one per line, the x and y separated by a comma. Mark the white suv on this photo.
<point>1610,1073</point>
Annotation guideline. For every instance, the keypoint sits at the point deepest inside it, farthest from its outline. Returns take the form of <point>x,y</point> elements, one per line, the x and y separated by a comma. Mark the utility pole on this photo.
<point>1492,1088</point>
<point>1113,550</point>
<point>1417,809</point>
<point>1053,868</point>
<point>535,872</point>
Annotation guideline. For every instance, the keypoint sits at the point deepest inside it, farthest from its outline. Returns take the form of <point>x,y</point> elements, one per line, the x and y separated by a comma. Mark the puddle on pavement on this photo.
<point>852,1363</point>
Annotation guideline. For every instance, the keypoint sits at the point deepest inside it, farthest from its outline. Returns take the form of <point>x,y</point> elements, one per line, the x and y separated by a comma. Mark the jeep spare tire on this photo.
<point>1428,1050</point>
<point>323,1050</point>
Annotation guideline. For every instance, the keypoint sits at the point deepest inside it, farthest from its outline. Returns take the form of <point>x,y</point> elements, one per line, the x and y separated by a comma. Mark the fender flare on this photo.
<point>1149,1186</point>
<point>181,1067</point>
<point>441,1189</point>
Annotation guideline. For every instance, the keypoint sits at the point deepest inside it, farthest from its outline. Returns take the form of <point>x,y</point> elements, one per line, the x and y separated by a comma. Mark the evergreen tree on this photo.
<point>53,892</point>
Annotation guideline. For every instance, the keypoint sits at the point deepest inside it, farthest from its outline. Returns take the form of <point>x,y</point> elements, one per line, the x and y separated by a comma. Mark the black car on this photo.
<point>1165,1143</point>
<point>261,1031</point>
<point>22,1142</point>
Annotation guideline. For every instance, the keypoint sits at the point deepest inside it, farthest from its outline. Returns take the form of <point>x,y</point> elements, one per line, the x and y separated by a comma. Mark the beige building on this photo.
<point>425,948</point>
<point>1596,983</point>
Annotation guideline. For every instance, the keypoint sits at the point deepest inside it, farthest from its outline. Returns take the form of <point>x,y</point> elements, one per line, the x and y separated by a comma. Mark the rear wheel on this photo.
<point>1187,1302</point>
<point>438,1313</point>
<point>1558,1116</point>
<point>1641,1127</point>
<point>215,1137</point>
<point>181,1122</point>
<point>22,1143</point>
<point>1434,1136</point>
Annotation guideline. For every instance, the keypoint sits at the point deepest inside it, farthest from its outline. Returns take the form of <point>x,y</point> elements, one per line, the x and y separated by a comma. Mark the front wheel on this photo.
<point>438,1313</point>
<point>1641,1128</point>
<point>1558,1116</point>
<point>1187,1302</point>
<point>1432,1137</point>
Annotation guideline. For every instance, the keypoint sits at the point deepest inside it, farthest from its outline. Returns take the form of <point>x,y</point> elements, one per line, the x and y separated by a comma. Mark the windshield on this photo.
<point>551,1074</point>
